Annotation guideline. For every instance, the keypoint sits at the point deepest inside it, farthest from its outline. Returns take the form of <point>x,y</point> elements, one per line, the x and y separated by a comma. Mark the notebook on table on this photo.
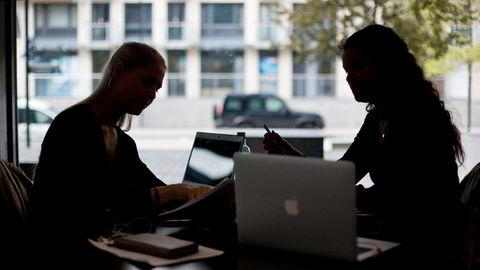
<point>304,205</point>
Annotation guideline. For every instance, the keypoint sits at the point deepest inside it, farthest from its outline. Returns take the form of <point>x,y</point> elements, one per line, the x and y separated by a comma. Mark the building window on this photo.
<point>222,21</point>
<point>100,21</point>
<point>325,81</point>
<point>99,59</point>
<point>54,73</point>
<point>312,78</point>
<point>267,26</point>
<point>56,20</point>
<point>138,21</point>
<point>222,72</point>
<point>176,20</point>
<point>268,72</point>
<point>176,72</point>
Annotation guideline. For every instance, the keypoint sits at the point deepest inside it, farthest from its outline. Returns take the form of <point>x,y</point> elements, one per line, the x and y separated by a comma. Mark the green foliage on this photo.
<point>426,25</point>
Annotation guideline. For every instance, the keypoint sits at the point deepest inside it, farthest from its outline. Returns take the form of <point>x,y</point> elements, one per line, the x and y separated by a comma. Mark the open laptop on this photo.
<point>211,158</point>
<point>305,205</point>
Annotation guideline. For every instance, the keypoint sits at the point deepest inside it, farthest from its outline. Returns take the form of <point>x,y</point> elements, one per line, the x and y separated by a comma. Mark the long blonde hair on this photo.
<point>129,56</point>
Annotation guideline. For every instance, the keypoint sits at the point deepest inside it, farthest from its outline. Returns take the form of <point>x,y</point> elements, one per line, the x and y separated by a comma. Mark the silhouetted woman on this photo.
<point>407,143</point>
<point>90,181</point>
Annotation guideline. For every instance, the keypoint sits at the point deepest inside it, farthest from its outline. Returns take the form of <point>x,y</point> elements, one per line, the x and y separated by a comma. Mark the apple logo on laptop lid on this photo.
<point>291,206</point>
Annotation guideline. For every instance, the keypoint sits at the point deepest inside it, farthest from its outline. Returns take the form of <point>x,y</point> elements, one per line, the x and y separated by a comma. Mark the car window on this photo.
<point>35,117</point>
<point>233,105</point>
<point>255,104</point>
<point>274,105</point>
<point>40,117</point>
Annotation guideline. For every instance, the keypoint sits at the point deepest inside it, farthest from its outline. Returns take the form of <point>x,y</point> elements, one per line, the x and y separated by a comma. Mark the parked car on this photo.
<point>41,115</point>
<point>255,110</point>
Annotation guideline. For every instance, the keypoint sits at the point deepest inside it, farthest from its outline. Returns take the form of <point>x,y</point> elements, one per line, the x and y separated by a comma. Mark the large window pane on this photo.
<point>222,72</point>
<point>313,76</point>
<point>100,21</point>
<point>222,20</point>
<point>99,59</point>
<point>55,20</point>
<point>176,75</point>
<point>267,30</point>
<point>138,21</point>
<point>268,72</point>
<point>55,74</point>
<point>176,19</point>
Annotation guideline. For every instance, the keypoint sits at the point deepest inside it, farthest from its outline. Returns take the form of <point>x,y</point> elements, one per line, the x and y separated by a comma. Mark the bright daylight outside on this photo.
<point>279,59</point>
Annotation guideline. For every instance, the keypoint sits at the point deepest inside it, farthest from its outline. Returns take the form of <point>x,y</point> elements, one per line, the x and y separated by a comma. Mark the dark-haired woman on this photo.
<point>407,143</point>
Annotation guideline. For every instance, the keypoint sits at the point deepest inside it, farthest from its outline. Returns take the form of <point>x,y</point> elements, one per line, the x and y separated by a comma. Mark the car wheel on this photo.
<point>245,125</point>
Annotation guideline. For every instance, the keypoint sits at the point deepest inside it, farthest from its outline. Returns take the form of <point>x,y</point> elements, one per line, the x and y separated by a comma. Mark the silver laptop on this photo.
<point>305,205</point>
<point>211,158</point>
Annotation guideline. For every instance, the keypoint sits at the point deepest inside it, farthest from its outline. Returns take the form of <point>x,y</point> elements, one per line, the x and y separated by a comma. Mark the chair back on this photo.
<point>15,188</point>
<point>15,234</point>
<point>470,196</point>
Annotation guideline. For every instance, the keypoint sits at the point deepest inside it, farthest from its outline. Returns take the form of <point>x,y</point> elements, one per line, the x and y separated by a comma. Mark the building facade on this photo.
<point>212,47</point>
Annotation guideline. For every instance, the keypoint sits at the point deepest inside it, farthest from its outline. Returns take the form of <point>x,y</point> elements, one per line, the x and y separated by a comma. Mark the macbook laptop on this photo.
<point>305,205</point>
<point>211,158</point>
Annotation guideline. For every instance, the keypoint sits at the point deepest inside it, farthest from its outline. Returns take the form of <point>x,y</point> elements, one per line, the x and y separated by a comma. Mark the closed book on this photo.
<point>157,245</point>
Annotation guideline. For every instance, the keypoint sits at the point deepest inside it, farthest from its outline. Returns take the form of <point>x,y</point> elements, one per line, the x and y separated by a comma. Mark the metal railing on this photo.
<point>176,31</point>
<point>100,31</point>
<point>306,85</point>
<point>217,84</point>
<point>222,30</point>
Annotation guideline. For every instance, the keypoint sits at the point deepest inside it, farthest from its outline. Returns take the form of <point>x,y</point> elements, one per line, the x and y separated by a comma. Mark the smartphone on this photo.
<point>267,129</point>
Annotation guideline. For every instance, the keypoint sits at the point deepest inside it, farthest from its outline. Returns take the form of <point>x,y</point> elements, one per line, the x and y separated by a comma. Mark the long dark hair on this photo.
<point>403,76</point>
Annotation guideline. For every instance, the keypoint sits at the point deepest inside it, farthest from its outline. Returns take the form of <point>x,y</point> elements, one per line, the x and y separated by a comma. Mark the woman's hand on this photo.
<point>275,144</point>
<point>177,192</point>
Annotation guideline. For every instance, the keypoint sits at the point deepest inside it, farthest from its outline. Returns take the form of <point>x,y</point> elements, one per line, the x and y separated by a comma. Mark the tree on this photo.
<point>426,25</point>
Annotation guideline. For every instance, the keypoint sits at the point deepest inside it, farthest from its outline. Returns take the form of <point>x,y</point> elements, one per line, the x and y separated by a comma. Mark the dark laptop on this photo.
<point>211,158</point>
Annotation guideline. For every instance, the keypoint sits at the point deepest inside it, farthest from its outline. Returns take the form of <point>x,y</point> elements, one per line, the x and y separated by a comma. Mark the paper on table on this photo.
<point>203,253</point>
<point>217,189</point>
<point>376,247</point>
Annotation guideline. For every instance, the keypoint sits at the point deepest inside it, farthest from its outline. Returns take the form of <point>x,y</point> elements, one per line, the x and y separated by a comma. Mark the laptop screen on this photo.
<point>211,158</point>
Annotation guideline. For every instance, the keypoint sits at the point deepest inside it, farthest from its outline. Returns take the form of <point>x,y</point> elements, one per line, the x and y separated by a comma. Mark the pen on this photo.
<point>267,129</point>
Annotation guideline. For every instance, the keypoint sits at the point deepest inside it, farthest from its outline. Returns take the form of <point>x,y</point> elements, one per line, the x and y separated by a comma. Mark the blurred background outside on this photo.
<point>215,48</point>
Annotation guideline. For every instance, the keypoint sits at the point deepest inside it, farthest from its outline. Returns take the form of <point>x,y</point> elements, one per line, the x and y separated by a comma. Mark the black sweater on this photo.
<point>77,190</point>
<point>412,163</point>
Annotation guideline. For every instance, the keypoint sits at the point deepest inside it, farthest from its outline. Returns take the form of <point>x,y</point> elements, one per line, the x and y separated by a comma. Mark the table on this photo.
<point>236,256</point>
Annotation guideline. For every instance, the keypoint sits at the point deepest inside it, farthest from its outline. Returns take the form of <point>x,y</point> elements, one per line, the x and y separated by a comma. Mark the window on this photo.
<point>274,105</point>
<point>313,77</point>
<point>56,20</point>
<point>100,20</point>
<point>233,105</point>
<point>36,117</point>
<point>255,105</point>
<point>222,72</point>
<point>176,72</point>
<point>267,27</point>
<point>268,72</point>
<point>176,19</point>
<point>222,21</point>
<point>299,78</point>
<point>58,77</point>
<point>99,59</point>
<point>138,21</point>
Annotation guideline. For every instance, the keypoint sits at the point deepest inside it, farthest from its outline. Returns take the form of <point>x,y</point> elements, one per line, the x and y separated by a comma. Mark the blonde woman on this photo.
<point>90,180</point>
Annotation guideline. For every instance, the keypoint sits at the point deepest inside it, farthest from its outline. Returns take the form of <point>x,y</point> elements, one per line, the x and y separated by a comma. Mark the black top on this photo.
<point>78,192</point>
<point>412,163</point>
